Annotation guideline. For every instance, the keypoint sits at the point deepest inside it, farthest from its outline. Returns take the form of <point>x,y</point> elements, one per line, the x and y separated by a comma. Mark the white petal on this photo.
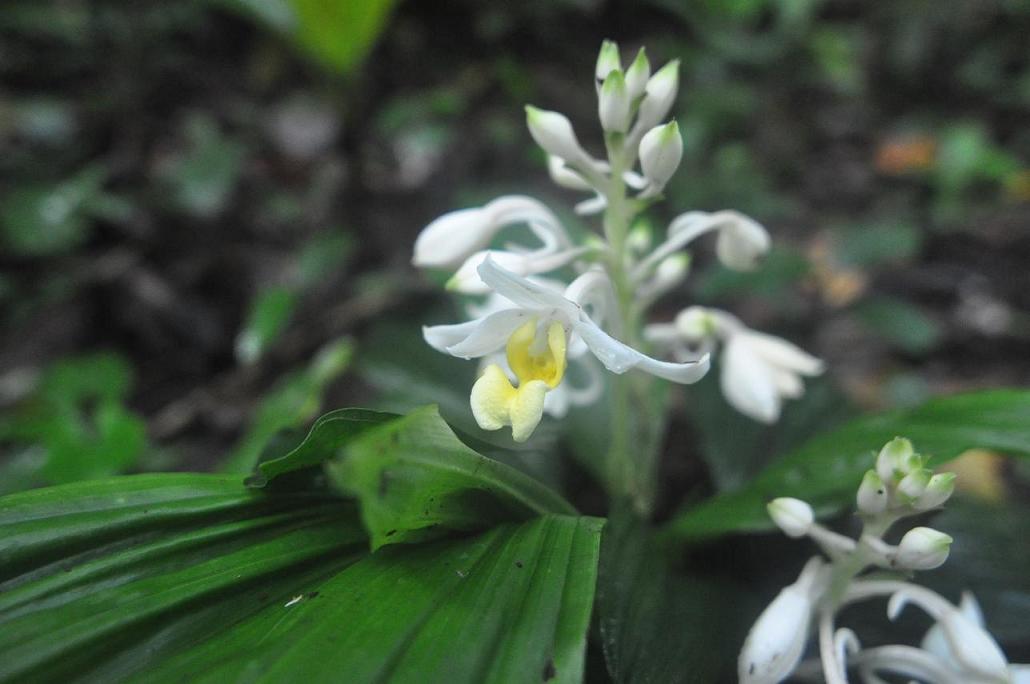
<point>523,292</point>
<point>747,383</point>
<point>592,291</point>
<point>452,237</point>
<point>441,337</point>
<point>490,334</point>
<point>467,281</point>
<point>619,358</point>
<point>788,384</point>
<point>781,353</point>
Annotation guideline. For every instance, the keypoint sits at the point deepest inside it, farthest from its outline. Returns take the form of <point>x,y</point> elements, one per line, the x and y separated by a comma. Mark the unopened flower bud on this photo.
<point>922,548</point>
<point>553,132</point>
<point>639,238</point>
<point>637,74</point>
<point>659,94</point>
<point>672,269</point>
<point>872,495</point>
<point>777,640</point>
<point>607,60</point>
<point>694,323</point>
<point>937,491</point>
<point>661,150</point>
<point>913,485</point>
<point>793,516</point>
<point>613,103</point>
<point>890,464</point>
<point>742,242</point>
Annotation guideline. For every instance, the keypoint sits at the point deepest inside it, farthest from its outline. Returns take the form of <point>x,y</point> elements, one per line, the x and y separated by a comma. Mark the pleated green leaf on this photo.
<point>181,577</point>
<point>827,469</point>
<point>416,480</point>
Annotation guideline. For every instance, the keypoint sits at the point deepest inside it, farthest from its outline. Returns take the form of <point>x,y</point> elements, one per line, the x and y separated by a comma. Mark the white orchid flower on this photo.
<point>536,334</point>
<point>740,244</point>
<point>758,372</point>
<point>454,237</point>
<point>466,279</point>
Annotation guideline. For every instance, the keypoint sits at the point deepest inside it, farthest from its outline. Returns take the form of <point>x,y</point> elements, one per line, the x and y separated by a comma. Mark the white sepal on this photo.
<point>553,132</point>
<point>922,548</point>
<point>613,103</point>
<point>466,279</point>
<point>793,516</point>
<point>661,150</point>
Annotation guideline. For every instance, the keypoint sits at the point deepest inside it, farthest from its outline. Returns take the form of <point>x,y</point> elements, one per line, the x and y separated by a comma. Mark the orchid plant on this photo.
<point>956,650</point>
<point>562,303</point>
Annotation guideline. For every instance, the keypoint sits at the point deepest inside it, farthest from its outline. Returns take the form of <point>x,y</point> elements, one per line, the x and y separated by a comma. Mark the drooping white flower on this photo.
<point>740,242</point>
<point>970,646</point>
<point>777,640</point>
<point>537,331</point>
<point>452,238</point>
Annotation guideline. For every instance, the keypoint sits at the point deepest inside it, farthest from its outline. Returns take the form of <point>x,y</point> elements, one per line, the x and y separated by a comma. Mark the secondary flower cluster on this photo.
<point>532,324</point>
<point>956,650</point>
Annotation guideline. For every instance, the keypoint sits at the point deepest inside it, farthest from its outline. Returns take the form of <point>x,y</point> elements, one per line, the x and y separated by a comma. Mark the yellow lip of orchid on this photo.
<point>538,362</point>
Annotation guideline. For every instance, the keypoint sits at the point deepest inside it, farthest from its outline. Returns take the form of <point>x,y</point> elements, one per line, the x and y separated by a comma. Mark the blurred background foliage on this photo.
<point>207,210</point>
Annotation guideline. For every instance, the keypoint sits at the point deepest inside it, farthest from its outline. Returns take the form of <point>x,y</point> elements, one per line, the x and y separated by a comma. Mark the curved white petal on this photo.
<point>467,281</point>
<point>490,334</point>
<point>451,237</point>
<point>619,358</point>
<point>442,337</point>
<point>781,353</point>
<point>592,291</point>
<point>742,242</point>
<point>564,176</point>
<point>594,205</point>
<point>523,292</point>
<point>747,383</point>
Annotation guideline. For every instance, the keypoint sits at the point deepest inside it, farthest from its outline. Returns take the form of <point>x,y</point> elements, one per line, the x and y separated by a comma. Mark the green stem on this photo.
<point>636,423</point>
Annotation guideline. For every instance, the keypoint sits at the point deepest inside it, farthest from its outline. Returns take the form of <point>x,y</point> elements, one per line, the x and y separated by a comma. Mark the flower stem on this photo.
<point>636,422</point>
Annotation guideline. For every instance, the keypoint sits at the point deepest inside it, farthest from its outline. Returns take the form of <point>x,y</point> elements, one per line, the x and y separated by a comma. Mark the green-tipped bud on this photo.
<point>613,103</point>
<point>608,60</point>
<point>660,93</point>
<point>661,150</point>
<point>891,463</point>
<point>937,491</point>
<point>922,548</point>
<point>913,485</point>
<point>637,74</point>
<point>553,132</point>
<point>872,497</point>
<point>793,516</point>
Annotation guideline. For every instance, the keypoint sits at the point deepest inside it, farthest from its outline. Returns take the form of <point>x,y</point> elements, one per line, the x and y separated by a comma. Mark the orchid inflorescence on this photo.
<point>531,324</point>
<point>956,650</point>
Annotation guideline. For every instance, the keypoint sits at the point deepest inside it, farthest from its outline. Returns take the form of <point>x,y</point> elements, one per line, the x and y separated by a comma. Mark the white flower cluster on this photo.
<point>956,650</point>
<point>532,324</point>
